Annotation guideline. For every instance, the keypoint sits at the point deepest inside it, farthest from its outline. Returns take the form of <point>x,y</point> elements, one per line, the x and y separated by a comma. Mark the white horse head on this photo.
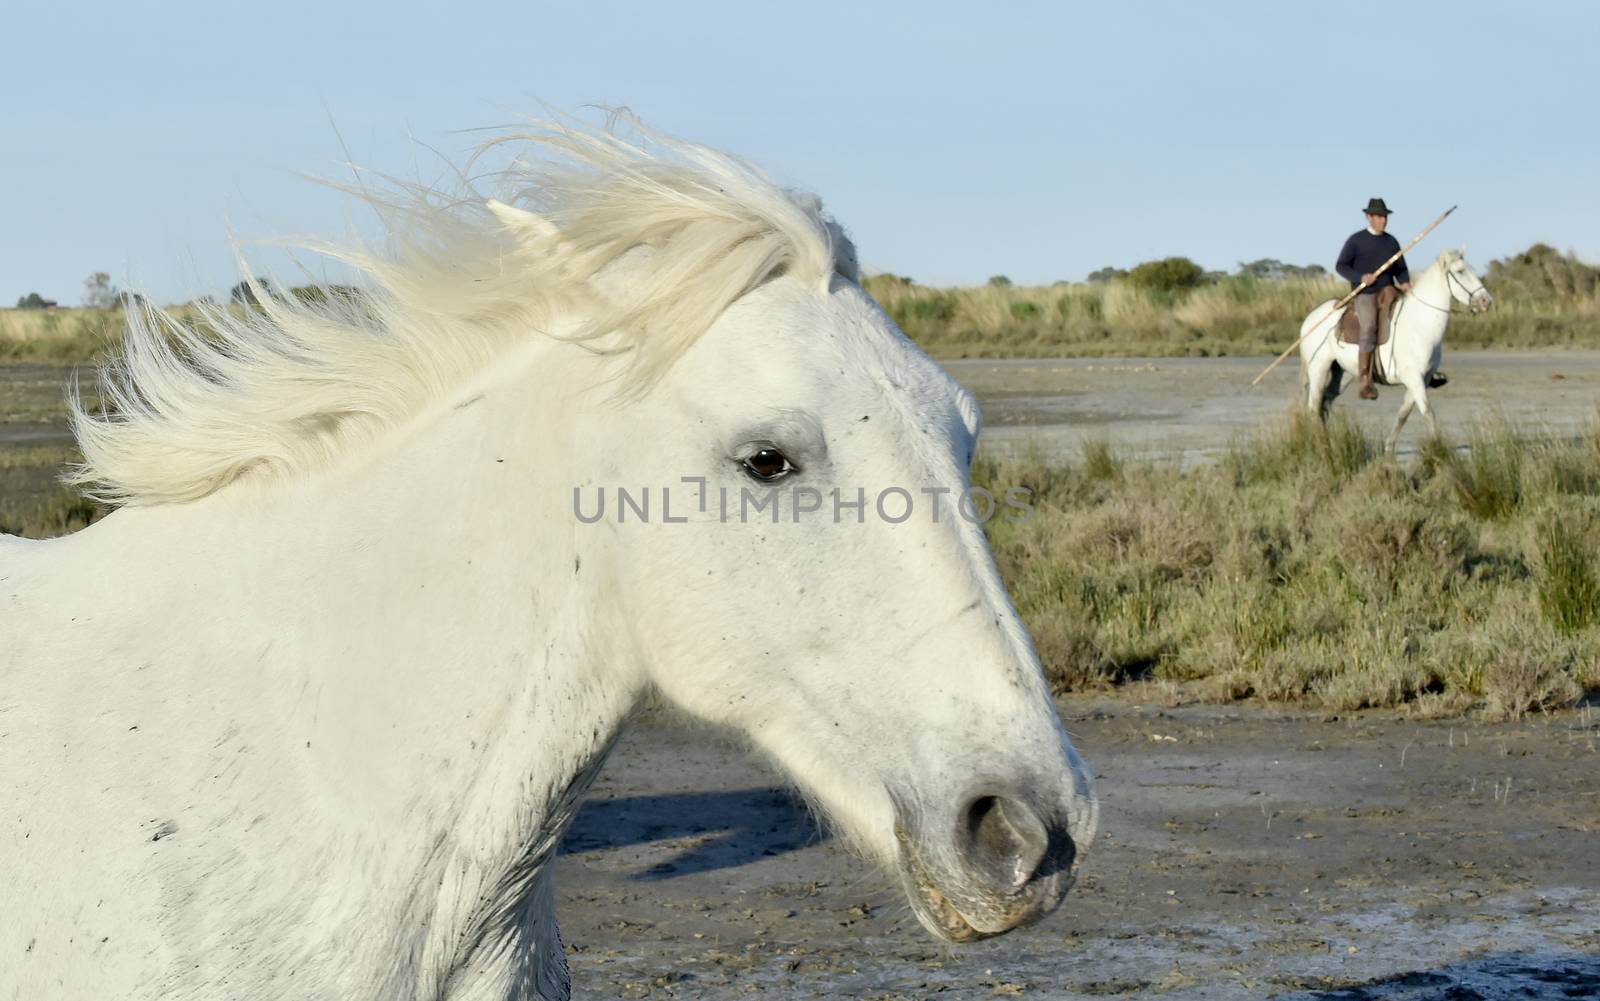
<point>1464,284</point>
<point>390,497</point>
<point>827,571</point>
<point>877,659</point>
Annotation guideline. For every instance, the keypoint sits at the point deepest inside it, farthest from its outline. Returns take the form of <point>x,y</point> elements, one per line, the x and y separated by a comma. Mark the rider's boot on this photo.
<point>1364,362</point>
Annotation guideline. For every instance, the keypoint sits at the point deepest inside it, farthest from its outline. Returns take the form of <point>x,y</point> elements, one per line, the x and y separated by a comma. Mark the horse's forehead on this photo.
<point>896,373</point>
<point>837,340</point>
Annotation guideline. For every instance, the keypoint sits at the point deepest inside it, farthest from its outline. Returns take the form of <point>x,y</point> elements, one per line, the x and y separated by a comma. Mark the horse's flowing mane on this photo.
<point>281,388</point>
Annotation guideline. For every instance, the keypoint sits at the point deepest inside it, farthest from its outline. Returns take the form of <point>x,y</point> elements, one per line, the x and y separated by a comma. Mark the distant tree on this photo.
<point>890,278</point>
<point>1000,281</point>
<point>1542,271</point>
<point>242,292</point>
<point>1106,274</point>
<point>34,300</point>
<point>1167,275</point>
<point>1271,269</point>
<point>322,294</point>
<point>98,292</point>
<point>1267,269</point>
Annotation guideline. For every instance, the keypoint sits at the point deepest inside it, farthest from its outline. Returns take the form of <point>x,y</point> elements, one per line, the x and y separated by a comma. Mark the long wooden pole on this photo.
<point>1353,293</point>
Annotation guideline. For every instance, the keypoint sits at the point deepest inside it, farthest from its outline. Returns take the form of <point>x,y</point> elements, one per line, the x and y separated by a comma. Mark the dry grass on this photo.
<point>58,335</point>
<point>1235,316</point>
<point>1307,568</point>
<point>66,335</point>
<point>59,512</point>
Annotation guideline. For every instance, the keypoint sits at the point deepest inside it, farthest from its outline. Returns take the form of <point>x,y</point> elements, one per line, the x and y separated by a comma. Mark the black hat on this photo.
<point>1375,206</point>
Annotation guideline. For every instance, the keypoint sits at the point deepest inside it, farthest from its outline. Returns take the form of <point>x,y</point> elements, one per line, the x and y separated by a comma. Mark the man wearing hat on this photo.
<point>1364,253</point>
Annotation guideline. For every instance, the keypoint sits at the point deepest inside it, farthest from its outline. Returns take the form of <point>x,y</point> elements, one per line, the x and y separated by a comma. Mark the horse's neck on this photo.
<point>1425,311</point>
<point>497,673</point>
<point>409,650</point>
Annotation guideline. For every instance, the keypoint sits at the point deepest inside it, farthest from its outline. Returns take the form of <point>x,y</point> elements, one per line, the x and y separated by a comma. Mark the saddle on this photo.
<point>1350,325</point>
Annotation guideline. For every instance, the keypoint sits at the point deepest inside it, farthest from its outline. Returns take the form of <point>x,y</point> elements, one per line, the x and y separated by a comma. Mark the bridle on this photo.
<point>1449,278</point>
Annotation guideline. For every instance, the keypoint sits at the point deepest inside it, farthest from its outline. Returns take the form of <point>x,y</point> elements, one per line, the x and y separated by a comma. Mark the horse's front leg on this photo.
<point>1393,441</point>
<point>1421,394</point>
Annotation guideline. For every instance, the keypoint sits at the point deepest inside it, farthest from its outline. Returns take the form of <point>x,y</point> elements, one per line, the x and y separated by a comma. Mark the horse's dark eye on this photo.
<point>768,464</point>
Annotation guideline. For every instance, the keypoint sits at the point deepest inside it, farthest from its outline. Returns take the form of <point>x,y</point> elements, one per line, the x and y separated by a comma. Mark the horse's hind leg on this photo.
<point>1334,388</point>
<point>1314,380</point>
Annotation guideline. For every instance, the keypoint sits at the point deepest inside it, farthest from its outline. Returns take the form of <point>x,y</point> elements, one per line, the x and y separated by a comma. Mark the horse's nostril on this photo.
<point>1006,841</point>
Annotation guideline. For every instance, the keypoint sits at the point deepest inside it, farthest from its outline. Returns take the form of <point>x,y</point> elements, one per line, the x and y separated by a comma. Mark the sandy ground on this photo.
<point>1189,408</point>
<point>1242,854</point>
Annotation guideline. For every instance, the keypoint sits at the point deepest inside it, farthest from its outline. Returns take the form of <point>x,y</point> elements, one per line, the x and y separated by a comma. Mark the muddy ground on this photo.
<point>1242,854</point>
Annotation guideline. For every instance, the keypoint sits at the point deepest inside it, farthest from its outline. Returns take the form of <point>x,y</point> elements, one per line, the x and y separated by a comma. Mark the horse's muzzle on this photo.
<point>1005,866</point>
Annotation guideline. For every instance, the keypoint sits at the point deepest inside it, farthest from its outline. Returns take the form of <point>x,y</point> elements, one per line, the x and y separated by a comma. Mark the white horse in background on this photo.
<point>308,716</point>
<point>1416,340</point>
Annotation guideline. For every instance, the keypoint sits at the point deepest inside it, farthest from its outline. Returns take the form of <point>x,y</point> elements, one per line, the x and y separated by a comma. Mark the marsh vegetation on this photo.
<point>1544,299</point>
<point>1307,567</point>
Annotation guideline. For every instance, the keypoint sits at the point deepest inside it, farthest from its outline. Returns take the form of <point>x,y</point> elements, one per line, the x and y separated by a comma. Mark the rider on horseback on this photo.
<point>1363,254</point>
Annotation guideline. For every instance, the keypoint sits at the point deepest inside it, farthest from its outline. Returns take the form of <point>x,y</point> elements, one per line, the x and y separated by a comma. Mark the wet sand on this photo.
<point>1243,854</point>
<point>1190,408</point>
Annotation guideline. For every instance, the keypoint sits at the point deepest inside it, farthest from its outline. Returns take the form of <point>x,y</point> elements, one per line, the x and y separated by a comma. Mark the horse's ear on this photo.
<point>530,228</point>
<point>1463,250</point>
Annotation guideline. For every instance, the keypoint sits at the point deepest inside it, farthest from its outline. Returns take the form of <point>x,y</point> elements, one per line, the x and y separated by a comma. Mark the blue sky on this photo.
<point>955,141</point>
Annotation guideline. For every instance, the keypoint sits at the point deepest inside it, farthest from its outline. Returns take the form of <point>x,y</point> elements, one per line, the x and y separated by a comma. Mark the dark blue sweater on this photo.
<point>1364,252</point>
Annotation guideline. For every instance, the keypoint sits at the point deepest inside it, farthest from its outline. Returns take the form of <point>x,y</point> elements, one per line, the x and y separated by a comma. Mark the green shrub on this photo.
<point>1099,461</point>
<point>1567,578</point>
<point>1488,479</point>
<point>1542,271</point>
<point>911,313</point>
<point>1166,275</point>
